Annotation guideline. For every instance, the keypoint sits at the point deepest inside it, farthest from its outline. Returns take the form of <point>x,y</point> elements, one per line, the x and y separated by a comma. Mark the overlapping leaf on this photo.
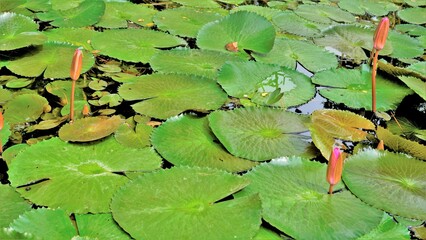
<point>25,108</point>
<point>324,14</point>
<point>118,13</point>
<point>89,129</point>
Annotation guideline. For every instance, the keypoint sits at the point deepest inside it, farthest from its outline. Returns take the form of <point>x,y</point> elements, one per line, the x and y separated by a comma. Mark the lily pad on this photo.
<point>324,14</point>
<point>24,108</point>
<point>415,84</point>
<point>387,229</point>
<point>166,95</point>
<point>265,12</point>
<point>415,15</point>
<point>89,129</point>
<point>289,22</point>
<point>18,31</point>
<point>185,21</point>
<point>404,46</point>
<point>203,63</point>
<point>263,82</point>
<point>361,7</point>
<point>294,199</point>
<point>19,82</point>
<point>389,181</point>
<point>187,140</point>
<point>81,37</point>
<point>62,90</point>
<point>99,226</point>
<point>260,134</point>
<point>249,30</point>
<point>12,206</point>
<point>190,210</point>
<point>4,134</point>
<point>118,13</point>
<point>198,4</point>
<point>134,138</point>
<point>288,53</point>
<point>353,88</point>
<point>134,45</point>
<point>53,61</point>
<point>74,14</point>
<point>77,178</point>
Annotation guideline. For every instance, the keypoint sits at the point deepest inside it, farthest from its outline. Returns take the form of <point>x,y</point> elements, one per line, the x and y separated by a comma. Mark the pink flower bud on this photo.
<point>334,169</point>
<point>381,34</point>
<point>77,63</point>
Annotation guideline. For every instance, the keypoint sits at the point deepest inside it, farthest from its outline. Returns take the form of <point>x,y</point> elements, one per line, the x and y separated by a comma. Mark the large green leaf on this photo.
<point>89,128</point>
<point>99,226</point>
<point>199,62</point>
<point>4,134</point>
<point>12,205</point>
<point>415,15</point>
<point>289,22</point>
<point>198,4</point>
<point>75,36</point>
<point>294,199</point>
<point>149,208</point>
<point>249,30</point>
<point>189,141</point>
<point>353,88</point>
<point>361,7</point>
<point>288,53</point>
<point>134,45</point>
<point>389,181</point>
<point>166,95</point>
<point>387,229</point>
<point>263,82</point>
<point>74,14</point>
<point>185,21</point>
<point>324,14</point>
<point>404,46</point>
<point>52,59</point>
<point>25,108</point>
<point>118,13</point>
<point>260,134</point>
<point>415,84</point>
<point>266,12</point>
<point>18,31</point>
<point>77,178</point>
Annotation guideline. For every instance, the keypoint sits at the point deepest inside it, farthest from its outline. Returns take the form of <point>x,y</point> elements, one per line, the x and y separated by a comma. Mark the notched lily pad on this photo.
<point>89,129</point>
<point>25,108</point>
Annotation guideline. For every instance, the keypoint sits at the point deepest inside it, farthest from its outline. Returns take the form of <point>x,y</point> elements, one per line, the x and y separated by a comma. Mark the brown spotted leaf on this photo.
<point>89,129</point>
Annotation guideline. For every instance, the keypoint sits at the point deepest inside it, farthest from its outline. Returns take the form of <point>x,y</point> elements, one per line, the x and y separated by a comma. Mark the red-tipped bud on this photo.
<point>77,63</point>
<point>381,34</point>
<point>381,145</point>
<point>1,121</point>
<point>335,167</point>
<point>85,110</point>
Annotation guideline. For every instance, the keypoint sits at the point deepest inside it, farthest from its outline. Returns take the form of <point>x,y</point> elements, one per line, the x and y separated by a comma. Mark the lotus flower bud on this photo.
<point>381,145</point>
<point>1,120</point>
<point>334,169</point>
<point>85,111</point>
<point>381,34</point>
<point>77,63</point>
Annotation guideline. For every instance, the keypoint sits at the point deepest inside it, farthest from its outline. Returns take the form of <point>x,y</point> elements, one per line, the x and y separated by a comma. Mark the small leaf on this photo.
<point>24,108</point>
<point>413,15</point>
<point>89,129</point>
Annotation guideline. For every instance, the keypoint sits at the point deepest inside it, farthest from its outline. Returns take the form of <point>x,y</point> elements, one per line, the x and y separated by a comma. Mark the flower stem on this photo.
<point>72,101</point>
<point>373,80</point>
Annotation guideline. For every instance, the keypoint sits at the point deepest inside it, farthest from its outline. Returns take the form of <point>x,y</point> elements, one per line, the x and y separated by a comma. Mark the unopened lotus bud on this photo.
<point>334,169</point>
<point>76,65</point>
<point>381,34</point>
<point>85,110</point>
<point>381,145</point>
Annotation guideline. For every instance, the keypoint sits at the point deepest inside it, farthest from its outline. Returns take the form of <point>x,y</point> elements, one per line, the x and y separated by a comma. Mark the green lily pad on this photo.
<point>5,134</point>
<point>62,90</point>
<point>389,181</point>
<point>77,178</point>
<point>266,234</point>
<point>415,15</point>
<point>404,46</point>
<point>99,226</point>
<point>137,137</point>
<point>18,31</point>
<point>353,88</point>
<point>74,14</point>
<point>134,45</point>
<point>260,81</point>
<point>189,210</point>
<point>12,206</point>
<point>265,12</point>
<point>249,30</point>
<point>19,82</point>
<point>5,96</point>
<point>415,84</point>
<point>198,4</point>
<point>53,61</point>
<point>203,63</point>
<point>189,141</point>
<point>411,29</point>
<point>24,108</point>
<point>166,95</point>
<point>361,7</point>
<point>185,21</point>
<point>288,53</point>
<point>289,22</point>
<point>294,199</point>
<point>112,100</point>
<point>75,36</point>
<point>89,129</point>
<point>260,134</point>
<point>118,13</point>
<point>387,229</point>
<point>324,14</point>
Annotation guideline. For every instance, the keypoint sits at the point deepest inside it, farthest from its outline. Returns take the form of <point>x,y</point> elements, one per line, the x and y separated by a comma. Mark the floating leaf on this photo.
<point>75,36</point>
<point>62,89</point>
<point>5,96</point>
<point>389,181</point>
<point>52,173</point>
<point>290,188</point>
<point>24,108</point>
<point>361,7</point>
<point>203,63</point>
<point>404,46</point>
<point>185,21</point>
<point>398,143</point>
<point>259,81</point>
<point>4,134</point>
<point>415,15</point>
<point>289,22</point>
<point>118,13</point>
<point>198,4</point>
<point>167,95</point>
<point>387,229</point>
<point>265,12</point>
<point>47,124</point>
<point>134,45</point>
<point>99,226</point>
<point>353,88</point>
<point>288,53</point>
<point>81,14</point>
<point>12,205</point>
<point>260,134</point>
<point>328,125</point>
<point>190,210</point>
<point>415,84</point>
<point>19,82</point>
<point>411,29</point>
<point>323,14</point>
<point>53,61</point>
<point>249,30</point>
<point>189,141</point>
<point>89,129</point>
<point>134,138</point>
<point>18,31</point>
